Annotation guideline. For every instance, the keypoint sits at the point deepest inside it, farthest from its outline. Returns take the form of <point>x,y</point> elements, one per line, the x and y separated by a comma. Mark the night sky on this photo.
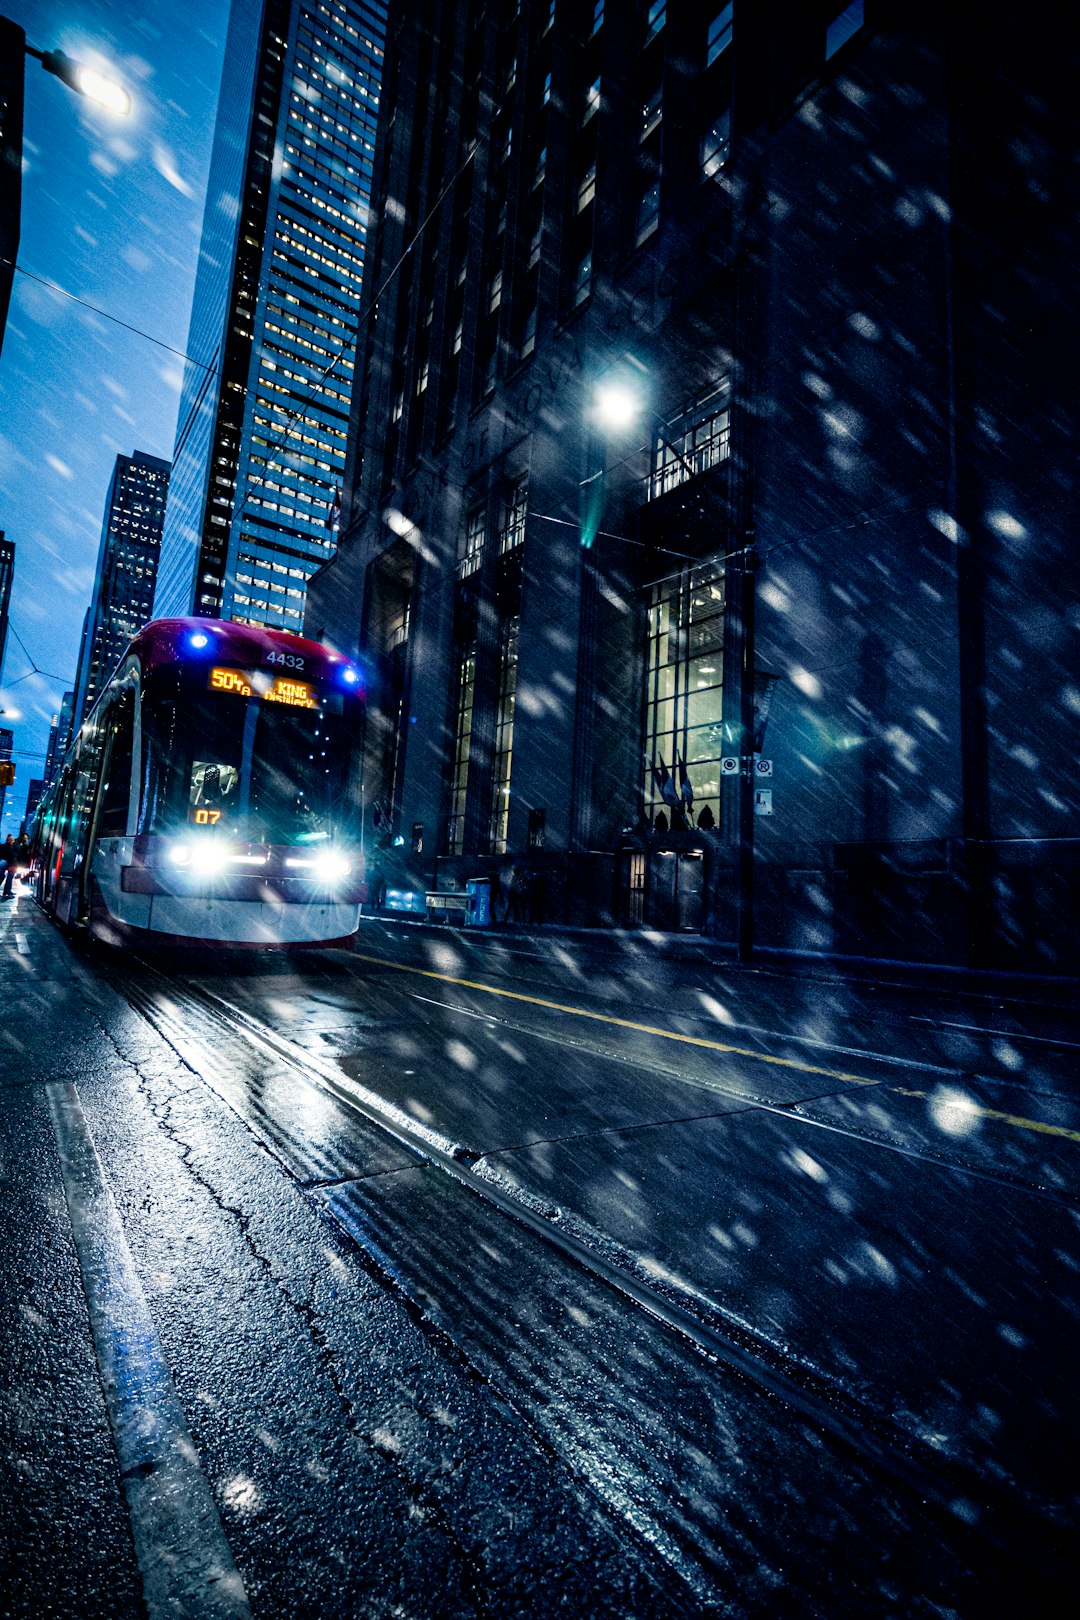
<point>111,211</point>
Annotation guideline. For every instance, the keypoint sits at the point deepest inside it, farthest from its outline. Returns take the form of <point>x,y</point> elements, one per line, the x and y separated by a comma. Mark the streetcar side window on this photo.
<point>117,794</point>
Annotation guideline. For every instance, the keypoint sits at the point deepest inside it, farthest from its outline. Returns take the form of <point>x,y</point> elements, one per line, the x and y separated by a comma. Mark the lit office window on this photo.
<point>691,443</point>
<point>684,693</point>
<point>718,37</point>
<point>504,736</point>
<point>716,146</point>
<point>843,26</point>
<point>471,544</point>
<point>459,781</point>
<point>515,503</point>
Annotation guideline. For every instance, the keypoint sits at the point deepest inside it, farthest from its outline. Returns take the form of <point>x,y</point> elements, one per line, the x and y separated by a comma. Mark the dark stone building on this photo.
<point>710,488</point>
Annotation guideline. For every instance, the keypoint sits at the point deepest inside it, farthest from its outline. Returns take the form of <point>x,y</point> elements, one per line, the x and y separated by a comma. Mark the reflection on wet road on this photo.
<point>898,1238</point>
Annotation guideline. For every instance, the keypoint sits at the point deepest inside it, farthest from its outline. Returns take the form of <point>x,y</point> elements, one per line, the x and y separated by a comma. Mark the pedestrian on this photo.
<point>7,865</point>
<point>519,894</point>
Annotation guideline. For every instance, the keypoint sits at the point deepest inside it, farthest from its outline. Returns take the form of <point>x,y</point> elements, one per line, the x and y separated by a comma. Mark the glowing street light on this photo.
<point>616,407</point>
<point>86,80</point>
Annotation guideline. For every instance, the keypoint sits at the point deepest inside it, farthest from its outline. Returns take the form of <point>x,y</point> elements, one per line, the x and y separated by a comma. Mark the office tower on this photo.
<point>706,520</point>
<point>7,576</point>
<point>59,737</point>
<point>34,793</point>
<point>260,444</point>
<point>7,745</point>
<point>127,569</point>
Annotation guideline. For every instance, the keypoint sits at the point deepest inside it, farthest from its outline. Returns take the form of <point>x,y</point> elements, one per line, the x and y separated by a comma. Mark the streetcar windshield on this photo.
<point>261,760</point>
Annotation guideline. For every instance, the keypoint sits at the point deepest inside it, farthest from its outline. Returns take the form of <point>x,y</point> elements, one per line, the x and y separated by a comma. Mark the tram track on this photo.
<point>956,1492</point>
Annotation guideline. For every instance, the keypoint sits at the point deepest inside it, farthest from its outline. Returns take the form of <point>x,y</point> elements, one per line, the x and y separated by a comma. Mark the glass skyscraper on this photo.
<point>126,572</point>
<point>260,446</point>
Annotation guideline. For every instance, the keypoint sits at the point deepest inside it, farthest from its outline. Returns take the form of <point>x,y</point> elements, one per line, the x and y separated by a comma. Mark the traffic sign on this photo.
<point>762,767</point>
<point>763,801</point>
<point>729,765</point>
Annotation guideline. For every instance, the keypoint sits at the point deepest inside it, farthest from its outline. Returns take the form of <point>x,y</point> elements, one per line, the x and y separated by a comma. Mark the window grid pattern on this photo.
<point>504,736</point>
<point>471,544</point>
<point>459,781</point>
<point>684,693</point>
<point>512,517</point>
<point>691,445</point>
<point>719,35</point>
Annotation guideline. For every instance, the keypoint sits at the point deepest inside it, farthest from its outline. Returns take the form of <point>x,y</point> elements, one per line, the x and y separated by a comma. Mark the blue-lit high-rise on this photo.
<point>260,445</point>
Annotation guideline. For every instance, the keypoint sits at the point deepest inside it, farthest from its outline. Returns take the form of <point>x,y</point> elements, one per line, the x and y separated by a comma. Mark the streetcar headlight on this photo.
<point>329,867</point>
<point>180,854</point>
<point>212,857</point>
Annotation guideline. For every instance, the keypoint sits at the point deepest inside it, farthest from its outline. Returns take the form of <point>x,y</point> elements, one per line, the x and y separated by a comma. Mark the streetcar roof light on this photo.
<point>350,675</point>
<point>198,639</point>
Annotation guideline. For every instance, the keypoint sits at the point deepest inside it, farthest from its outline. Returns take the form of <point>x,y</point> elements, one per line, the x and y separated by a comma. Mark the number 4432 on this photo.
<point>288,660</point>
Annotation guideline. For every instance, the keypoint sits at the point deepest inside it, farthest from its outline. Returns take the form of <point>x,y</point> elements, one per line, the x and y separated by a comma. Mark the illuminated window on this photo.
<point>684,695</point>
<point>459,781</point>
<point>716,146</point>
<point>652,111</point>
<point>843,26</point>
<point>691,443</point>
<point>586,190</point>
<point>504,736</point>
<point>515,503</point>
<point>718,37</point>
<point>592,101</point>
<point>656,19</point>
<point>471,544</point>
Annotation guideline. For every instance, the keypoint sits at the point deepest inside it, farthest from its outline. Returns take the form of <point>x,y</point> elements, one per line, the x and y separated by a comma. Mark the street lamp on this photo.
<point>86,81</point>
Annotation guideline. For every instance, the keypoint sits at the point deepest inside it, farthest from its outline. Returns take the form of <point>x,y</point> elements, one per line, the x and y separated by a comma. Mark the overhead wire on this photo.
<point>105,314</point>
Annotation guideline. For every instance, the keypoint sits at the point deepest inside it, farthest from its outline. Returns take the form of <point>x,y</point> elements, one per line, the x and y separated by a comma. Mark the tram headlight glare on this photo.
<point>212,857</point>
<point>180,854</point>
<point>329,867</point>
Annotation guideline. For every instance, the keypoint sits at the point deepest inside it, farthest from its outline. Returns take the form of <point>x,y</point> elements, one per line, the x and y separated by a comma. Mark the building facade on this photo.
<point>261,432</point>
<point>60,732</point>
<point>127,569</point>
<point>690,526</point>
<point>7,579</point>
<point>7,748</point>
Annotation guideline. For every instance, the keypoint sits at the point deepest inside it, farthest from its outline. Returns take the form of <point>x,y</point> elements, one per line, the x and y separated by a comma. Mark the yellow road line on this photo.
<point>1008,1119</point>
<point>623,1023</point>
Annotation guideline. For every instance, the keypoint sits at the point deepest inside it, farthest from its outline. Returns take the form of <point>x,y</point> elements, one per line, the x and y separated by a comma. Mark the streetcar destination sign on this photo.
<point>272,689</point>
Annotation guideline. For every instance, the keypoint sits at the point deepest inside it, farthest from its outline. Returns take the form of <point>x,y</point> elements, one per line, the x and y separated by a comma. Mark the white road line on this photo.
<point>187,1568</point>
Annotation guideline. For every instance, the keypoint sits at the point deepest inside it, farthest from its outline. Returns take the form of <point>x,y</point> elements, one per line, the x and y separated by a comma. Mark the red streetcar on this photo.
<point>212,795</point>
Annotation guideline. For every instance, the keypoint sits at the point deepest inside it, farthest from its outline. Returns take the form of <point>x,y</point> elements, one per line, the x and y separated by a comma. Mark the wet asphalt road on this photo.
<point>505,1278</point>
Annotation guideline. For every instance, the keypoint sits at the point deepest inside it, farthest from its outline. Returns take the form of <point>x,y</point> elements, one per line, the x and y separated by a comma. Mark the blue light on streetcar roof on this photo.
<point>350,676</point>
<point>198,640</point>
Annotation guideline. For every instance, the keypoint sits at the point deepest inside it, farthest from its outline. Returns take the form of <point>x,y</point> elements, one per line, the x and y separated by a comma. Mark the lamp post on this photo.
<point>86,81</point>
<point>617,407</point>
